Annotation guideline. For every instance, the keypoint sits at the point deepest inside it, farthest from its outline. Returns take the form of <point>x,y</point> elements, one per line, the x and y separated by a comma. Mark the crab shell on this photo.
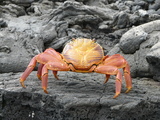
<point>83,54</point>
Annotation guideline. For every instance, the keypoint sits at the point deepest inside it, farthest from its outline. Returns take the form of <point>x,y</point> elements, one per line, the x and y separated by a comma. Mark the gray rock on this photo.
<point>151,11</point>
<point>121,20</point>
<point>77,96</point>
<point>131,40</point>
<point>150,1</point>
<point>12,10</point>
<point>143,13</point>
<point>2,23</point>
<point>25,3</point>
<point>20,41</point>
<point>158,11</point>
<point>136,53</point>
<point>40,8</point>
<point>153,58</point>
<point>153,17</point>
<point>155,6</point>
<point>62,22</point>
<point>17,49</point>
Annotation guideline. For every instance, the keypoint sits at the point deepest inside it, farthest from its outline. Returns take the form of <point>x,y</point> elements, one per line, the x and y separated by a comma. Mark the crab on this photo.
<point>80,55</point>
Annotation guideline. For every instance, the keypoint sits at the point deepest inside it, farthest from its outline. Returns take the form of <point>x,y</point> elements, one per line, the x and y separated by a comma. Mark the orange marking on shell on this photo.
<point>83,53</point>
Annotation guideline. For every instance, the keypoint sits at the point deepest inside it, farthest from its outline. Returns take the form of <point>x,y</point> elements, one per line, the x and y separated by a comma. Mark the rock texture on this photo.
<point>136,44</point>
<point>77,96</point>
<point>127,27</point>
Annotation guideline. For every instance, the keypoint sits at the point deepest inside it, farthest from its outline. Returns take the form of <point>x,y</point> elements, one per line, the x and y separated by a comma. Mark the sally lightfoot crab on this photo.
<point>80,55</point>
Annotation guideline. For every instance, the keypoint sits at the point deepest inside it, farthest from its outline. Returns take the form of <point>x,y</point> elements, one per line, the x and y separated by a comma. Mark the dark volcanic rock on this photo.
<point>77,96</point>
<point>153,58</point>
<point>12,10</point>
<point>137,43</point>
<point>17,49</point>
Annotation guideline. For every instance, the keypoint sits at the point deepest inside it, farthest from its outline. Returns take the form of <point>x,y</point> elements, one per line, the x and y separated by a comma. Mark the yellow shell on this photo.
<point>82,53</point>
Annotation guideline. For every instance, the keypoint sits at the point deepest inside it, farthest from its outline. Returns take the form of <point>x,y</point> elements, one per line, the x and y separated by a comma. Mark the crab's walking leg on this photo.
<point>118,84</point>
<point>107,78</point>
<point>29,69</point>
<point>54,66</point>
<point>127,77</point>
<point>44,78</point>
<point>39,72</point>
<point>112,70</point>
<point>55,74</point>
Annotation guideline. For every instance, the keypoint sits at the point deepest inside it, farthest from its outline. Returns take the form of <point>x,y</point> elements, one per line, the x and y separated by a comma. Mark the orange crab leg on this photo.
<point>107,78</point>
<point>118,84</point>
<point>54,66</point>
<point>29,69</point>
<point>55,74</point>
<point>45,78</point>
<point>39,72</point>
<point>127,78</point>
<point>112,70</point>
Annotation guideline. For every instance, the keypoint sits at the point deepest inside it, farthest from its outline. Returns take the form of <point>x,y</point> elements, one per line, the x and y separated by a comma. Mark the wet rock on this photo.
<point>77,96</point>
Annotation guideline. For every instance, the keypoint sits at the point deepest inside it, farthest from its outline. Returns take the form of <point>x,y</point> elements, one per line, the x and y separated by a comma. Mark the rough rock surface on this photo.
<point>136,45</point>
<point>128,27</point>
<point>77,96</point>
